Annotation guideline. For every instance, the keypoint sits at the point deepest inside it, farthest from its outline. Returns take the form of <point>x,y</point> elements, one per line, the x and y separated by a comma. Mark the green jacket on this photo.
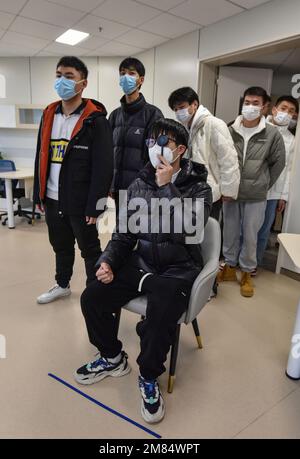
<point>263,163</point>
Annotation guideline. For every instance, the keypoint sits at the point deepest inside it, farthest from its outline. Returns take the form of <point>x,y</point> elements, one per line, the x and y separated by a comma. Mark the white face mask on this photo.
<point>183,115</point>
<point>167,154</point>
<point>251,112</point>
<point>282,118</point>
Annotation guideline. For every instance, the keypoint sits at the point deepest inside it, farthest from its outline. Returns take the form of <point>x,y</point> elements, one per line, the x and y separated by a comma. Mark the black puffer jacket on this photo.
<point>165,253</point>
<point>131,124</point>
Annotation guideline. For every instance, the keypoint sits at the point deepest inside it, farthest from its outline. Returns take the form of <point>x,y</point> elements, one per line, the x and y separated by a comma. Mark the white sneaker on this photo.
<point>53,294</point>
<point>152,406</point>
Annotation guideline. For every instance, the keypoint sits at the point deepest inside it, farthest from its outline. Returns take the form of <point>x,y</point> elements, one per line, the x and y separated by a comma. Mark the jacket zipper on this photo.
<point>71,141</point>
<point>155,251</point>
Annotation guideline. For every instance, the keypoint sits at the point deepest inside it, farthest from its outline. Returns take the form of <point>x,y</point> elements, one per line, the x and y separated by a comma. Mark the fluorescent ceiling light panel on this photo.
<point>72,37</point>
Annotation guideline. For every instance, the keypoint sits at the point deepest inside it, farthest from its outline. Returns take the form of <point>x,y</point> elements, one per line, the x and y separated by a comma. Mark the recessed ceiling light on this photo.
<point>72,37</point>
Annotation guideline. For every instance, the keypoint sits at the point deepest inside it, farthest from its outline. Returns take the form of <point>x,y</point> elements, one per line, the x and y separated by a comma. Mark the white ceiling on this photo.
<point>30,27</point>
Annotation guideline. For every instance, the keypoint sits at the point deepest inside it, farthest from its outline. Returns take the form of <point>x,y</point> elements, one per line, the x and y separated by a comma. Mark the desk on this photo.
<point>20,174</point>
<point>291,244</point>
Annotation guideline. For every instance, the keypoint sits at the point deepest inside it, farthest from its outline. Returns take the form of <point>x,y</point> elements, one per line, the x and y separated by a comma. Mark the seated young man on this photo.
<point>163,266</point>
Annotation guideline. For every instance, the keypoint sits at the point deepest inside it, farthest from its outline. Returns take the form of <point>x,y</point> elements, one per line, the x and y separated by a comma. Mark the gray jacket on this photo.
<point>263,162</point>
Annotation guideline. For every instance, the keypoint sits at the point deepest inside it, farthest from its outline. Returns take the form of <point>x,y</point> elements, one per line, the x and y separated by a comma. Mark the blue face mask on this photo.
<point>128,83</point>
<point>65,88</point>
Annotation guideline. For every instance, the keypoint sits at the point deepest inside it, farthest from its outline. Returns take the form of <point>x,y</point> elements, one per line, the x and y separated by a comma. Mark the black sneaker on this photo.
<point>100,368</point>
<point>152,408</point>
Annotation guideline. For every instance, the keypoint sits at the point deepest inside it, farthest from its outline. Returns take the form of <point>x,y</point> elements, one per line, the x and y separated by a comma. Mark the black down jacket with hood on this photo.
<point>162,252</point>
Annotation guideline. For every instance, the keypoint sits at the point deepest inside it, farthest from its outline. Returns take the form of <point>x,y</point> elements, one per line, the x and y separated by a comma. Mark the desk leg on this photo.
<point>9,203</point>
<point>293,367</point>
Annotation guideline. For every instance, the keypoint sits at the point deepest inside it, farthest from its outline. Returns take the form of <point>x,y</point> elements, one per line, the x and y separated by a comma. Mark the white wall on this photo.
<point>176,65</point>
<point>16,73</point>
<point>148,59</point>
<point>109,90</point>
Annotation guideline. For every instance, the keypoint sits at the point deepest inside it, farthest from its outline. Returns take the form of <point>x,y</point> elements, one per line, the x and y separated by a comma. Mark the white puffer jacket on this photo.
<point>280,189</point>
<point>211,144</point>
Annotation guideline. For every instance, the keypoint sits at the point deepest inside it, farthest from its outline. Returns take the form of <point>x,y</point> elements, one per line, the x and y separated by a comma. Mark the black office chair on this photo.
<point>18,193</point>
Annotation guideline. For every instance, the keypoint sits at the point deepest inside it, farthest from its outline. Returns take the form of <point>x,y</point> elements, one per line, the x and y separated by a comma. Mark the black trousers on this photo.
<point>63,232</point>
<point>167,299</point>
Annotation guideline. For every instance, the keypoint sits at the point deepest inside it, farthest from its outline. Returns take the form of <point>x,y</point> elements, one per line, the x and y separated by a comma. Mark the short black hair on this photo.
<point>132,62</point>
<point>172,128</point>
<point>185,94</point>
<point>77,64</point>
<point>257,91</point>
<point>269,99</point>
<point>290,99</point>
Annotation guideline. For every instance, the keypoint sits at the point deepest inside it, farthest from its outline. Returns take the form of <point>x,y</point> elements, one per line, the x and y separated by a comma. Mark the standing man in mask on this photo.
<point>210,143</point>
<point>283,112</point>
<point>131,124</point>
<point>261,155</point>
<point>73,170</point>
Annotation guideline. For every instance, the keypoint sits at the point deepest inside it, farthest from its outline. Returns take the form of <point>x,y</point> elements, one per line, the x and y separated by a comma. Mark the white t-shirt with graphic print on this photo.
<point>62,128</point>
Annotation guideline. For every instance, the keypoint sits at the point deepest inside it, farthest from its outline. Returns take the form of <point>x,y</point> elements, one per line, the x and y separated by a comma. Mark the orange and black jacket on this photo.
<point>87,168</point>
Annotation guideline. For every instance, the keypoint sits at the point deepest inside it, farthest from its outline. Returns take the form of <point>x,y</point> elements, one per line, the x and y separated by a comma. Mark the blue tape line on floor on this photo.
<point>111,410</point>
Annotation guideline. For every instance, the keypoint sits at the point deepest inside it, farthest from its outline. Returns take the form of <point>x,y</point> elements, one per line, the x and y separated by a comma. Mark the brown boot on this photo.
<point>227,274</point>
<point>247,289</point>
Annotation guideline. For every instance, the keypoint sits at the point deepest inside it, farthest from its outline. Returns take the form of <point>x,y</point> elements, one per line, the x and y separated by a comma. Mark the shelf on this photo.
<point>28,116</point>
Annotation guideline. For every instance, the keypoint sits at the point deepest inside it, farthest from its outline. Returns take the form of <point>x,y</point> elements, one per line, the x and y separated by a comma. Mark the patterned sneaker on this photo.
<point>152,407</point>
<point>100,368</point>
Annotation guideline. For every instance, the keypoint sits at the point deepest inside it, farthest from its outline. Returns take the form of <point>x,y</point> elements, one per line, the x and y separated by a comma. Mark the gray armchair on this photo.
<point>200,294</point>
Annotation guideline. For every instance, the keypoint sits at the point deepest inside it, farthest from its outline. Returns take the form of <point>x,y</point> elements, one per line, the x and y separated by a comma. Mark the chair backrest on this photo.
<point>211,244</point>
<point>7,166</point>
<point>203,284</point>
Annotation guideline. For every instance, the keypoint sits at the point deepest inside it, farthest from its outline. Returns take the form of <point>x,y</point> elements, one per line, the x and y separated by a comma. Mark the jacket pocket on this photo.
<point>81,171</point>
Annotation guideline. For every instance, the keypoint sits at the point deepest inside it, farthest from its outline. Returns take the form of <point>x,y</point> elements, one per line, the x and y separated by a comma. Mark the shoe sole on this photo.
<point>148,419</point>
<point>247,295</point>
<point>54,299</point>
<point>116,374</point>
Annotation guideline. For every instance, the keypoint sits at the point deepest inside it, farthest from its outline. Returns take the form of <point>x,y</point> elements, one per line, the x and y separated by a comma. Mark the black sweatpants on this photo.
<point>63,232</point>
<point>167,299</point>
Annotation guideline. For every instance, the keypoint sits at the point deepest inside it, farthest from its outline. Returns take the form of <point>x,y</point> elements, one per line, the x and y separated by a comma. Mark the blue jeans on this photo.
<point>264,232</point>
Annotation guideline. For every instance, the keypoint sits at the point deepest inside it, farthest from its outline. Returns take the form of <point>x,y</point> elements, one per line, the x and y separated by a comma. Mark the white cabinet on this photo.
<point>8,116</point>
<point>28,116</point>
<point>20,116</point>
